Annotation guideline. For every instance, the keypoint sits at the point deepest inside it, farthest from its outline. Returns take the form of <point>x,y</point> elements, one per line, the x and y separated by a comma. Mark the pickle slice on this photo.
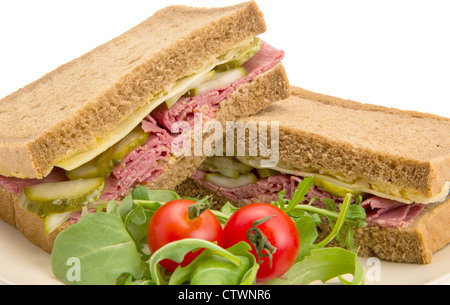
<point>227,166</point>
<point>86,171</point>
<point>115,154</point>
<point>244,56</point>
<point>227,182</point>
<point>187,85</point>
<point>228,66</point>
<point>333,189</point>
<point>266,172</point>
<point>103,165</point>
<point>249,52</point>
<point>230,72</point>
<point>60,197</point>
<point>232,163</point>
<point>222,79</point>
<point>227,172</point>
<point>191,93</point>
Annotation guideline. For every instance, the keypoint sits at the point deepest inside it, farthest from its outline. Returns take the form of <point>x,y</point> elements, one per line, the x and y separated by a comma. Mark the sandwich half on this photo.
<point>99,126</point>
<point>398,161</point>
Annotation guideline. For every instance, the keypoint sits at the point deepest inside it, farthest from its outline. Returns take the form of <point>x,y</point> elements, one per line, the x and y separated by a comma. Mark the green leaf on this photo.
<point>111,207</point>
<point>300,193</point>
<point>339,223</point>
<point>307,231</point>
<point>176,251</point>
<point>136,223</point>
<point>125,206</point>
<point>217,270</point>
<point>141,193</point>
<point>182,275</point>
<point>228,209</point>
<point>225,212</point>
<point>330,204</point>
<point>323,265</point>
<point>137,216</point>
<point>243,249</point>
<point>162,196</point>
<point>101,248</point>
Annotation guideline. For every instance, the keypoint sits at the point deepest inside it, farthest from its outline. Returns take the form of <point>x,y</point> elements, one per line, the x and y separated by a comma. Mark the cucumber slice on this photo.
<point>103,165</point>
<point>60,197</point>
<point>333,189</point>
<point>227,182</point>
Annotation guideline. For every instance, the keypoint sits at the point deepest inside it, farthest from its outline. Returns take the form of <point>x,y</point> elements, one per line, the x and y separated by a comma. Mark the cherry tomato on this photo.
<point>275,228</point>
<point>173,222</point>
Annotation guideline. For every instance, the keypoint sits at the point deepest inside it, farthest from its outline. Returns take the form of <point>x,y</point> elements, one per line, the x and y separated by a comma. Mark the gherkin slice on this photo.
<point>227,166</point>
<point>115,154</point>
<point>244,56</point>
<point>232,163</point>
<point>103,165</point>
<point>266,172</point>
<point>87,171</point>
<point>227,66</point>
<point>60,197</point>
<point>333,189</point>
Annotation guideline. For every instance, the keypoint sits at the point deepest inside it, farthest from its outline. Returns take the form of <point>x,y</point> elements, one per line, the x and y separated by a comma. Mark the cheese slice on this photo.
<point>382,189</point>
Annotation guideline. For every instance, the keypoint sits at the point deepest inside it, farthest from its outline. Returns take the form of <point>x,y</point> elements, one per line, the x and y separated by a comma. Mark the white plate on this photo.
<point>22,263</point>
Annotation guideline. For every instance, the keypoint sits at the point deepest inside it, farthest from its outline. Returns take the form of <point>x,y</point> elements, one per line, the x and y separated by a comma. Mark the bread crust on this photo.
<point>263,90</point>
<point>7,201</point>
<point>427,159</point>
<point>69,108</point>
<point>414,244</point>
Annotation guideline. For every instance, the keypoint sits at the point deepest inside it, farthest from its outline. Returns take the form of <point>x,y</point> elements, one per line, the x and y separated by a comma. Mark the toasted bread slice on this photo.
<point>68,109</point>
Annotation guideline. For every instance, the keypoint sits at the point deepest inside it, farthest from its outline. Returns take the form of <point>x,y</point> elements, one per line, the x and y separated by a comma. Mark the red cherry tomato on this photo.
<point>172,222</point>
<point>256,221</point>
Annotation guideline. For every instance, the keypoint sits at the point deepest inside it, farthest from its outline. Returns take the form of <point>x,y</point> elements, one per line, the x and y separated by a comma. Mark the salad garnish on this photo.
<point>111,245</point>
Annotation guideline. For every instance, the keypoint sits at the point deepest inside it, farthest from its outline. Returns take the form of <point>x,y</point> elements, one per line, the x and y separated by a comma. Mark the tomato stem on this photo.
<point>197,209</point>
<point>259,240</point>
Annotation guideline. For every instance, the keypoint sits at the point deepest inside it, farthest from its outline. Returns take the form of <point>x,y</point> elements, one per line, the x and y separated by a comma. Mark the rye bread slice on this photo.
<point>406,149</point>
<point>69,108</point>
<point>248,99</point>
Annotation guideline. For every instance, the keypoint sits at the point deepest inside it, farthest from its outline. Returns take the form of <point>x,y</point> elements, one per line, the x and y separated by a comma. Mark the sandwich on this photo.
<point>100,126</point>
<point>397,162</point>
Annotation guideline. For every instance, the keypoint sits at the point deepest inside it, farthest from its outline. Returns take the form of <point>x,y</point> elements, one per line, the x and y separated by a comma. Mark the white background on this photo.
<point>392,53</point>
